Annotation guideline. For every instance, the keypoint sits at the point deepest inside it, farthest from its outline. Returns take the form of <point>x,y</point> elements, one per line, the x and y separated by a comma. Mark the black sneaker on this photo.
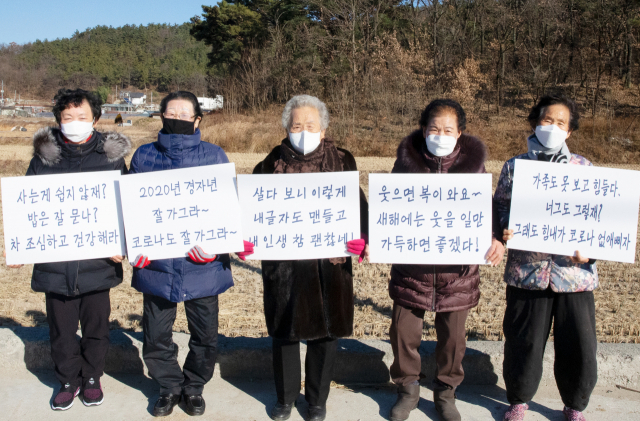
<point>92,392</point>
<point>64,398</point>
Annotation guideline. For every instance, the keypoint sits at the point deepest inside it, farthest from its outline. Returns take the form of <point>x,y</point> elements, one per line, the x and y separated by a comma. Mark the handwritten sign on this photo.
<point>300,216</point>
<point>429,218</point>
<point>559,209</point>
<point>169,212</point>
<point>61,217</point>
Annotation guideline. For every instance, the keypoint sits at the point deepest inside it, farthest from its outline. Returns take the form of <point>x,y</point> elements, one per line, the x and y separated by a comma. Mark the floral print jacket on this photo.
<point>538,271</point>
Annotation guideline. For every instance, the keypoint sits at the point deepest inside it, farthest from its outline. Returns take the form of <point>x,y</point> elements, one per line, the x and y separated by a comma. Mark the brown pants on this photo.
<point>406,336</point>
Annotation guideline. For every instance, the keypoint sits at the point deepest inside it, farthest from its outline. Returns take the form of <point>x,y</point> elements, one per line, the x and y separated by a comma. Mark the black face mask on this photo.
<point>175,126</point>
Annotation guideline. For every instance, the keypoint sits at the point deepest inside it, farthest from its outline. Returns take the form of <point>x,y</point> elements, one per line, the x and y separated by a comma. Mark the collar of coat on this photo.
<point>411,159</point>
<point>175,145</point>
<point>48,145</point>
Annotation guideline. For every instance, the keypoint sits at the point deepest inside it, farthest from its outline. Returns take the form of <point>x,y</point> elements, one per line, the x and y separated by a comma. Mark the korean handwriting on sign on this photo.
<point>321,192</point>
<point>63,194</point>
<point>183,237</point>
<point>565,184</point>
<point>452,244</point>
<point>57,218</point>
<point>176,189</point>
<point>173,214</point>
<point>298,240</point>
<point>51,241</point>
<point>326,216</point>
<point>426,193</point>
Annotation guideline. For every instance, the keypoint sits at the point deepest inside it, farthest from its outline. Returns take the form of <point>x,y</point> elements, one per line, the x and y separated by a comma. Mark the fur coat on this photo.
<point>438,288</point>
<point>309,299</point>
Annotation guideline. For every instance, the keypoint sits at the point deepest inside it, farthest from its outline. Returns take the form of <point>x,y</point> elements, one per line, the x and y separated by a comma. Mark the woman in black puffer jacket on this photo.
<point>77,291</point>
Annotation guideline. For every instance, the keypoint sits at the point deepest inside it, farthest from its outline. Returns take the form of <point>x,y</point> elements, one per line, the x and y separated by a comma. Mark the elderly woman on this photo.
<point>545,289</point>
<point>439,146</point>
<point>77,291</point>
<point>308,300</point>
<point>196,280</point>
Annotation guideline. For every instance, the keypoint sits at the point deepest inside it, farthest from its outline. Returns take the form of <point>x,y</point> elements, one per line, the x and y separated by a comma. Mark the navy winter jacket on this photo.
<point>180,279</point>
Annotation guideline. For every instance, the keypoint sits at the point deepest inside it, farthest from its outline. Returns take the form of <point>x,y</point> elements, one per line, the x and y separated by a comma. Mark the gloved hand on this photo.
<point>358,246</point>
<point>141,261</point>
<point>248,249</point>
<point>199,256</point>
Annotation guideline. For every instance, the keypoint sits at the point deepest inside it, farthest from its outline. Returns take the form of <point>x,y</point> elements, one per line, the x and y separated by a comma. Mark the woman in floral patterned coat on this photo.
<point>545,289</point>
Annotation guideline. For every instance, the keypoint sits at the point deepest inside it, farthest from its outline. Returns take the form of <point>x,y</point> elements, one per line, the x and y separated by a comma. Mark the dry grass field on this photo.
<point>617,304</point>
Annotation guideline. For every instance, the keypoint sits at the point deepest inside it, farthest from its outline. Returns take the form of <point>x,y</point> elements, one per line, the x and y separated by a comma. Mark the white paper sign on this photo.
<point>169,212</point>
<point>430,218</point>
<point>300,216</point>
<point>559,209</point>
<point>61,217</point>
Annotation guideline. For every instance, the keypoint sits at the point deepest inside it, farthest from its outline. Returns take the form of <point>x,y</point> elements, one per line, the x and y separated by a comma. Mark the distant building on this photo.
<point>134,98</point>
<point>118,108</point>
<point>210,104</point>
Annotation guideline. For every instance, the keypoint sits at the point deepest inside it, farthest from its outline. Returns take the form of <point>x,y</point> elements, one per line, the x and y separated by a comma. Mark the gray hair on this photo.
<point>300,101</point>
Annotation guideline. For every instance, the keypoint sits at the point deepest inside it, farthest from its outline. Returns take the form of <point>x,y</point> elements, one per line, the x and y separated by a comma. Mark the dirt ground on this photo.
<point>617,314</point>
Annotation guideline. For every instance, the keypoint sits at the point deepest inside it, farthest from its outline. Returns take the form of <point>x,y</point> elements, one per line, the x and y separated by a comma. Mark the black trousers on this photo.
<point>160,353</point>
<point>527,323</point>
<point>77,360</point>
<point>318,368</point>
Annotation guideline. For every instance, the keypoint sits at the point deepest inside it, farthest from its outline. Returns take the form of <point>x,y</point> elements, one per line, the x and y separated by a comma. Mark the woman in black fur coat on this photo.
<point>308,300</point>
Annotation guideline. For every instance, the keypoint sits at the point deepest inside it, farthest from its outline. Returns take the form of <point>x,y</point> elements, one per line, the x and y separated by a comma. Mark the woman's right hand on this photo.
<point>4,254</point>
<point>507,234</point>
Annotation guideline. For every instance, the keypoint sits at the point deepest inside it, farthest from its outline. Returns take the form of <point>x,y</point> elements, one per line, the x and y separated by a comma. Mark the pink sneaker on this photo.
<point>515,412</point>
<point>573,415</point>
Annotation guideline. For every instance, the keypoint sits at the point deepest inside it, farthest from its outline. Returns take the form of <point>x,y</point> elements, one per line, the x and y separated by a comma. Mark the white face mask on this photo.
<point>551,136</point>
<point>77,131</point>
<point>305,142</point>
<point>441,145</point>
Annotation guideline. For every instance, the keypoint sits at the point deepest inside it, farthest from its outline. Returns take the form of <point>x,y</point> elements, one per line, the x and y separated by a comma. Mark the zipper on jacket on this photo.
<point>433,301</point>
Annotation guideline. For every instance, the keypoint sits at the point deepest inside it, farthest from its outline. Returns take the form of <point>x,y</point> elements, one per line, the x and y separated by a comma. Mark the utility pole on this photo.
<point>2,93</point>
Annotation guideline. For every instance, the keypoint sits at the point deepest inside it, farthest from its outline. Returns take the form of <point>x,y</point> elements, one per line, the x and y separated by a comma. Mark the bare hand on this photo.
<point>496,253</point>
<point>366,252</point>
<point>4,254</point>
<point>578,259</point>
<point>117,259</point>
<point>507,235</point>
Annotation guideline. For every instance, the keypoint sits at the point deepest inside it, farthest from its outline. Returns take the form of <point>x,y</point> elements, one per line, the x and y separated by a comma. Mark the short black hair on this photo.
<point>67,98</point>
<point>441,106</point>
<point>182,95</point>
<point>552,99</point>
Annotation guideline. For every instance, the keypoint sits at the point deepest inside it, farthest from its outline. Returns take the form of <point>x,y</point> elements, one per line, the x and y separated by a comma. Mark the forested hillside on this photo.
<point>162,57</point>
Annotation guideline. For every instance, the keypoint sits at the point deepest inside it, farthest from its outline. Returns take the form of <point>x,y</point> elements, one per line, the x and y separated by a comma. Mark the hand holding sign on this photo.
<point>248,250</point>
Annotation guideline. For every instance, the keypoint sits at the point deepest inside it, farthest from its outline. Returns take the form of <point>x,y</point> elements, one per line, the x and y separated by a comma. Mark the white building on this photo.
<point>134,98</point>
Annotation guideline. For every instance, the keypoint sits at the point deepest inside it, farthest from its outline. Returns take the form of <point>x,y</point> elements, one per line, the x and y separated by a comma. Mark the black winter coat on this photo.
<point>103,152</point>
<point>309,299</point>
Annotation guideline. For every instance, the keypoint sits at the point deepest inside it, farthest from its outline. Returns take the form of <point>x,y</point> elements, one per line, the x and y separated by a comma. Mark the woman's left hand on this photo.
<point>496,253</point>
<point>117,259</point>
<point>578,259</point>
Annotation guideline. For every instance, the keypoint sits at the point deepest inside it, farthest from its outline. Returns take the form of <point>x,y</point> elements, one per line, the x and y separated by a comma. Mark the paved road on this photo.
<point>130,397</point>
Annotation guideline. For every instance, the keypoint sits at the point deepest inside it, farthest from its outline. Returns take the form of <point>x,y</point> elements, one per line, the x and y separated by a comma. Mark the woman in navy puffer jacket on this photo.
<point>196,280</point>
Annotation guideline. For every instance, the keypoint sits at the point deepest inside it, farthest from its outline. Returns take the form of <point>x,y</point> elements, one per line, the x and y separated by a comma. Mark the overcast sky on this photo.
<point>23,21</point>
